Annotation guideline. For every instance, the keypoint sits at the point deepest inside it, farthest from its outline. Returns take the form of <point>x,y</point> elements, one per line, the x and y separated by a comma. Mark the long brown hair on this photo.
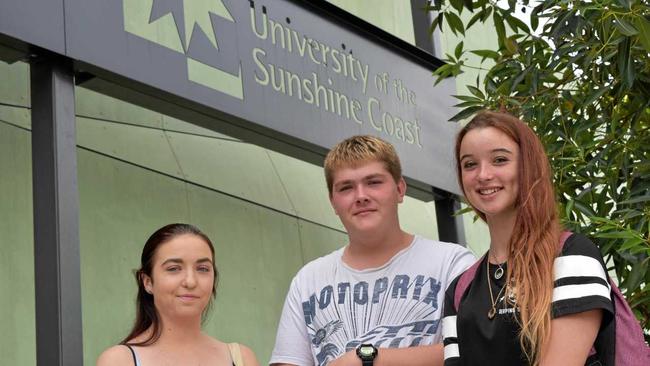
<point>146,313</point>
<point>533,245</point>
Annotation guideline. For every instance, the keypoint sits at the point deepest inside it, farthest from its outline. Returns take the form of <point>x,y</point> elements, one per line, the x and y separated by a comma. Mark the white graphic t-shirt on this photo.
<point>332,308</point>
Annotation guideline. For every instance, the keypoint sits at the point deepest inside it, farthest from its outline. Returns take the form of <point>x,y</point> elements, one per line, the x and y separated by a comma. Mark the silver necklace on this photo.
<point>499,272</point>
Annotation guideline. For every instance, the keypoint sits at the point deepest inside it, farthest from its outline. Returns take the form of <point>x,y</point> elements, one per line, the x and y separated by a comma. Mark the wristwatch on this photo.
<point>367,353</point>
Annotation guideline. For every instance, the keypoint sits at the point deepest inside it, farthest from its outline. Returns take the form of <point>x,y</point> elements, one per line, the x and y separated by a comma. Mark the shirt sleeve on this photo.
<point>462,260</point>
<point>581,281</point>
<point>292,344</point>
<point>449,328</point>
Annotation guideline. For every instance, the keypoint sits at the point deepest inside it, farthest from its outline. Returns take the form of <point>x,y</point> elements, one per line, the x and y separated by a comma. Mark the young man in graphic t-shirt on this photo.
<point>377,301</point>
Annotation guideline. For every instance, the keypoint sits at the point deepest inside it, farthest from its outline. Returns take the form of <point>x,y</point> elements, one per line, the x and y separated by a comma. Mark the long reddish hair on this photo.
<point>533,245</point>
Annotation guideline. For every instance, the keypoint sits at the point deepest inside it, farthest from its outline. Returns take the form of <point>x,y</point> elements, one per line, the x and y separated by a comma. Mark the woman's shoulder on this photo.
<point>579,244</point>
<point>247,354</point>
<point>116,355</point>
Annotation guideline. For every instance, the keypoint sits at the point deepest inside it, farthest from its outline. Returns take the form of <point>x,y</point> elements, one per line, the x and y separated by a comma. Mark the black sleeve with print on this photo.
<point>581,284</point>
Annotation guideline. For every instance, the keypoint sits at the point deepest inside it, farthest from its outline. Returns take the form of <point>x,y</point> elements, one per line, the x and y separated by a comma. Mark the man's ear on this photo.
<point>333,207</point>
<point>401,189</point>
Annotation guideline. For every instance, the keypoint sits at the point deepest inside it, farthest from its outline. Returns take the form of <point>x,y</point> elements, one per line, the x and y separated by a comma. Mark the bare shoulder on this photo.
<point>248,355</point>
<point>116,355</point>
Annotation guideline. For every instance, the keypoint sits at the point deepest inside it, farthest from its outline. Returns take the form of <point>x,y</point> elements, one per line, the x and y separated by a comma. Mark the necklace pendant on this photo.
<point>511,295</point>
<point>498,273</point>
<point>491,313</point>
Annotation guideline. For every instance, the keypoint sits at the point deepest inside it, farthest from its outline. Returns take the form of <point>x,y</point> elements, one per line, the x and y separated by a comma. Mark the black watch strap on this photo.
<point>367,354</point>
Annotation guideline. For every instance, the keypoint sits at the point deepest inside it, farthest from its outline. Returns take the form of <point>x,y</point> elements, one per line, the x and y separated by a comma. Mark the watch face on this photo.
<point>366,351</point>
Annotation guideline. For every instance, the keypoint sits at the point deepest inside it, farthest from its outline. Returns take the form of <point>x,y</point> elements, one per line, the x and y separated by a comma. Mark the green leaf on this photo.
<point>476,18</point>
<point>455,23</point>
<point>635,200</point>
<point>469,4</point>
<point>487,54</point>
<point>468,104</point>
<point>584,209</point>
<point>459,50</point>
<point>457,4</point>
<point>625,63</point>
<point>443,72</point>
<point>636,275</point>
<point>501,29</point>
<point>631,243</point>
<point>518,79</point>
<point>625,3</point>
<point>625,27</point>
<point>595,95</point>
<point>435,23</point>
<point>487,14</point>
<point>644,32</point>
<point>467,112</point>
<point>534,19</point>
<point>568,209</point>
<point>463,211</point>
<point>490,85</point>
<point>466,98</point>
<point>511,45</point>
<point>516,23</point>
<point>476,91</point>
<point>616,235</point>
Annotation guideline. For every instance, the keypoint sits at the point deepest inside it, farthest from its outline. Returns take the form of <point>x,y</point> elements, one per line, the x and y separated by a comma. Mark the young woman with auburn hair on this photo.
<point>177,283</point>
<point>531,301</point>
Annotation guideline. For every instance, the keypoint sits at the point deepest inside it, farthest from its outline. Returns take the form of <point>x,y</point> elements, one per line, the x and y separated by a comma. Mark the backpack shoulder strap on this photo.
<point>235,354</point>
<point>563,237</point>
<point>464,281</point>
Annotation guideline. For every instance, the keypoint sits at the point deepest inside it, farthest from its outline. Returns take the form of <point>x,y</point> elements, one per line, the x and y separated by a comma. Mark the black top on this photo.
<point>471,338</point>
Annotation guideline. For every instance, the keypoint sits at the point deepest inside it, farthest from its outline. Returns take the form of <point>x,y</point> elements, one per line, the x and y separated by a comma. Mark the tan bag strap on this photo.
<point>235,353</point>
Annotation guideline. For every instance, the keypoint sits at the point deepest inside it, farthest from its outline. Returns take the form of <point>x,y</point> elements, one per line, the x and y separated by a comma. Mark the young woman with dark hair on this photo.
<point>177,283</point>
<point>532,301</point>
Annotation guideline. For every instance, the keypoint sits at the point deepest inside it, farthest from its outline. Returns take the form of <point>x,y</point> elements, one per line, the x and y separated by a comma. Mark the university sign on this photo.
<point>274,67</point>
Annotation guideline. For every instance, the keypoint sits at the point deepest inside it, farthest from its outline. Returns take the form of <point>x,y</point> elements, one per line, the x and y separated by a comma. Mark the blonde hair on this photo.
<point>360,149</point>
<point>533,245</point>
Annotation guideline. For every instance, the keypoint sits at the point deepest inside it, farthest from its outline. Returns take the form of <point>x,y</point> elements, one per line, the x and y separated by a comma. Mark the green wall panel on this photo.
<point>94,105</point>
<point>91,104</point>
<point>14,84</point>
<point>418,217</point>
<point>317,241</point>
<point>177,125</point>
<point>17,338</point>
<point>17,116</point>
<point>143,146</point>
<point>236,168</point>
<point>305,185</point>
